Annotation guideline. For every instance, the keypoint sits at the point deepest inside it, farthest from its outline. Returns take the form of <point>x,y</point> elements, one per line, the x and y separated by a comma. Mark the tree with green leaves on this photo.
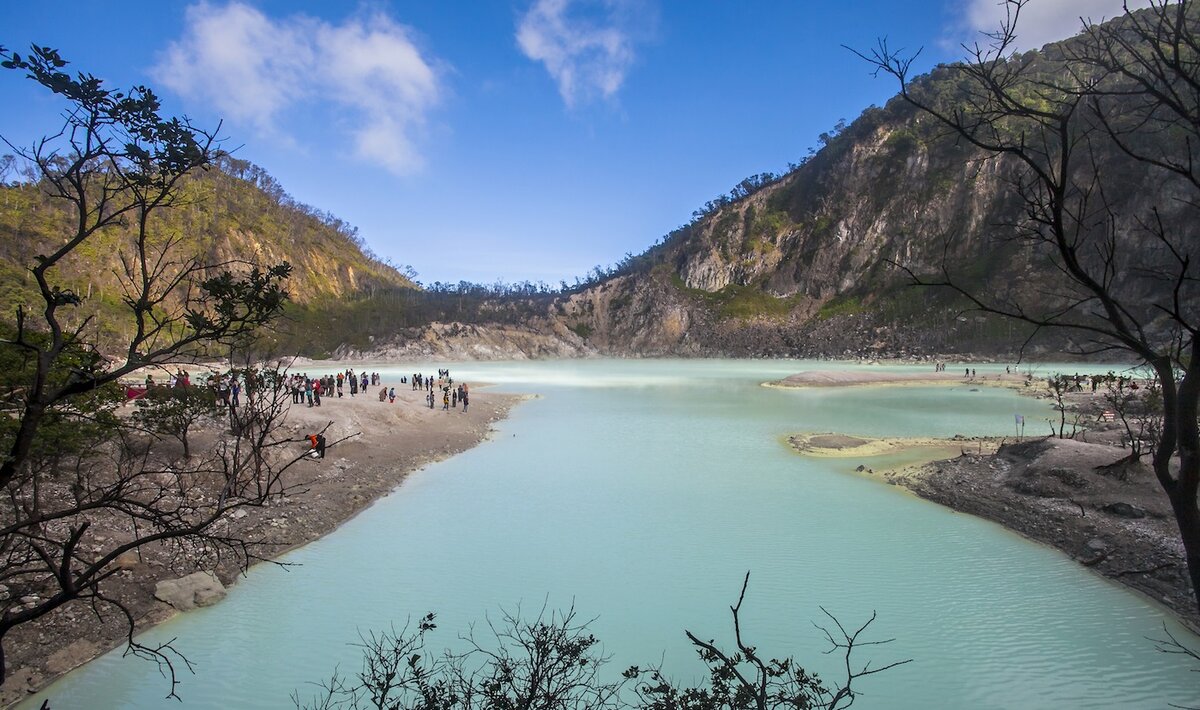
<point>1098,139</point>
<point>81,487</point>
<point>1138,407</point>
<point>175,411</point>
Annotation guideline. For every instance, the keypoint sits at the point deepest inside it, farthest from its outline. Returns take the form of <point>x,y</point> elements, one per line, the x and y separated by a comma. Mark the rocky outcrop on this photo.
<point>195,590</point>
<point>1055,491</point>
<point>547,339</point>
<point>818,261</point>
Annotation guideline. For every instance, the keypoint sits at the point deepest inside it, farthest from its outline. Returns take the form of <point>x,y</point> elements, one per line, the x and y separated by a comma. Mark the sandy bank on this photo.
<point>387,441</point>
<point>859,377</point>
<point>831,445</point>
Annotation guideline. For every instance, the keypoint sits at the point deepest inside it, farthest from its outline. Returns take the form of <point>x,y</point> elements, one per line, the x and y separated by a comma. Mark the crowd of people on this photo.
<point>230,387</point>
<point>451,396</point>
<point>311,390</point>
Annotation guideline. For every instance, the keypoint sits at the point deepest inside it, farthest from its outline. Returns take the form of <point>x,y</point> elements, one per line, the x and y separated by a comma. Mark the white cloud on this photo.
<point>255,69</point>
<point>1041,21</point>
<point>587,46</point>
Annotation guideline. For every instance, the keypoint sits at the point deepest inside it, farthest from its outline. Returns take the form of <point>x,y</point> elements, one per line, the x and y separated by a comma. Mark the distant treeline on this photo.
<point>318,329</point>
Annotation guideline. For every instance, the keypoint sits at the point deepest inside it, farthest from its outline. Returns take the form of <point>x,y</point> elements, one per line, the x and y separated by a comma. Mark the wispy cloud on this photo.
<point>587,46</point>
<point>1040,21</point>
<point>259,70</point>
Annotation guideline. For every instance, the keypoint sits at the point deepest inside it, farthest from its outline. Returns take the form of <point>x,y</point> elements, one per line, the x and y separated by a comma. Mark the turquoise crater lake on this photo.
<point>641,492</point>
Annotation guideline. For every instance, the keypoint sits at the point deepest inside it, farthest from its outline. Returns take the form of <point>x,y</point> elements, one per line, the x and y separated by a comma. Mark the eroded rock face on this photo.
<point>195,590</point>
<point>462,341</point>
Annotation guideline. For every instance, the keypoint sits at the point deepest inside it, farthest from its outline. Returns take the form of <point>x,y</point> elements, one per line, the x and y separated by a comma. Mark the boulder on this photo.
<point>127,560</point>
<point>1124,510</point>
<point>187,593</point>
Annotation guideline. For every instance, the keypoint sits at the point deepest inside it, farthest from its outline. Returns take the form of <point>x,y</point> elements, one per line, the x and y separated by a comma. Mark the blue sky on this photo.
<point>517,139</point>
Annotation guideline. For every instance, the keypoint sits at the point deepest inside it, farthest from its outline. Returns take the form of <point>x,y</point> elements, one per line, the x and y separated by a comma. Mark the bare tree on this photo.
<point>1172,646</point>
<point>1099,137</point>
<point>1060,386</point>
<point>1138,407</point>
<point>79,488</point>
<point>744,680</point>
<point>552,663</point>
<point>549,663</point>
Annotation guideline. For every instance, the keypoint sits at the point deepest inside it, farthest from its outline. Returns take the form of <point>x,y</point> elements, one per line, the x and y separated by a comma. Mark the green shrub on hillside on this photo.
<point>842,305</point>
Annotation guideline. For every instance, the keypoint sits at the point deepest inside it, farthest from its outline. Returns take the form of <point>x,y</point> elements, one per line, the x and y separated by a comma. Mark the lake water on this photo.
<point>642,492</point>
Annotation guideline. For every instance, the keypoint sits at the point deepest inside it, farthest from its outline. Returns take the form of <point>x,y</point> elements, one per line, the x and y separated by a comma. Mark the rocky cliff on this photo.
<point>820,261</point>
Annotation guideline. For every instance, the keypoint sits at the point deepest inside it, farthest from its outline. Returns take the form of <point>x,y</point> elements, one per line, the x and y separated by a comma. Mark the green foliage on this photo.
<point>1137,403</point>
<point>318,328</point>
<point>174,411</point>
<point>902,141</point>
<point>583,330</point>
<point>218,214</point>
<point>69,428</point>
<point>71,466</point>
<point>771,223</point>
<point>256,297</point>
<point>739,302</point>
<point>841,305</point>
<point>747,302</point>
<point>724,231</point>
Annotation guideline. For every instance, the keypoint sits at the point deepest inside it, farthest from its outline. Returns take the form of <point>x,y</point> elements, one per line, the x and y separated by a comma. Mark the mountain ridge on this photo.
<point>816,262</point>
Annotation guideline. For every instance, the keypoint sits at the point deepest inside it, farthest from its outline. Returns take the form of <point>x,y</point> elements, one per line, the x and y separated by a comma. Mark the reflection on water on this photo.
<point>641,492</point>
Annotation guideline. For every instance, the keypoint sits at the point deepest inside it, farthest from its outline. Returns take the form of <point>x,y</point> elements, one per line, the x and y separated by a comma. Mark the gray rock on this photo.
<point>1097,545</point>
<point>1124,510</point>
<point>187,593</point>
<point>207,596</point>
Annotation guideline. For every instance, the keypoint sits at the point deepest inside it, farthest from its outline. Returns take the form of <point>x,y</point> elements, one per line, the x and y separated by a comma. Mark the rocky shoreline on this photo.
<point>1055,492</point>
<point>1078,495</point>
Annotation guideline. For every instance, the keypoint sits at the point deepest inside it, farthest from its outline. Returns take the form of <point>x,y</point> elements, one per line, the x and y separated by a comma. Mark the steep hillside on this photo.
<point>808,264</point>
<point>232,213</point>
<point>817,262</point>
